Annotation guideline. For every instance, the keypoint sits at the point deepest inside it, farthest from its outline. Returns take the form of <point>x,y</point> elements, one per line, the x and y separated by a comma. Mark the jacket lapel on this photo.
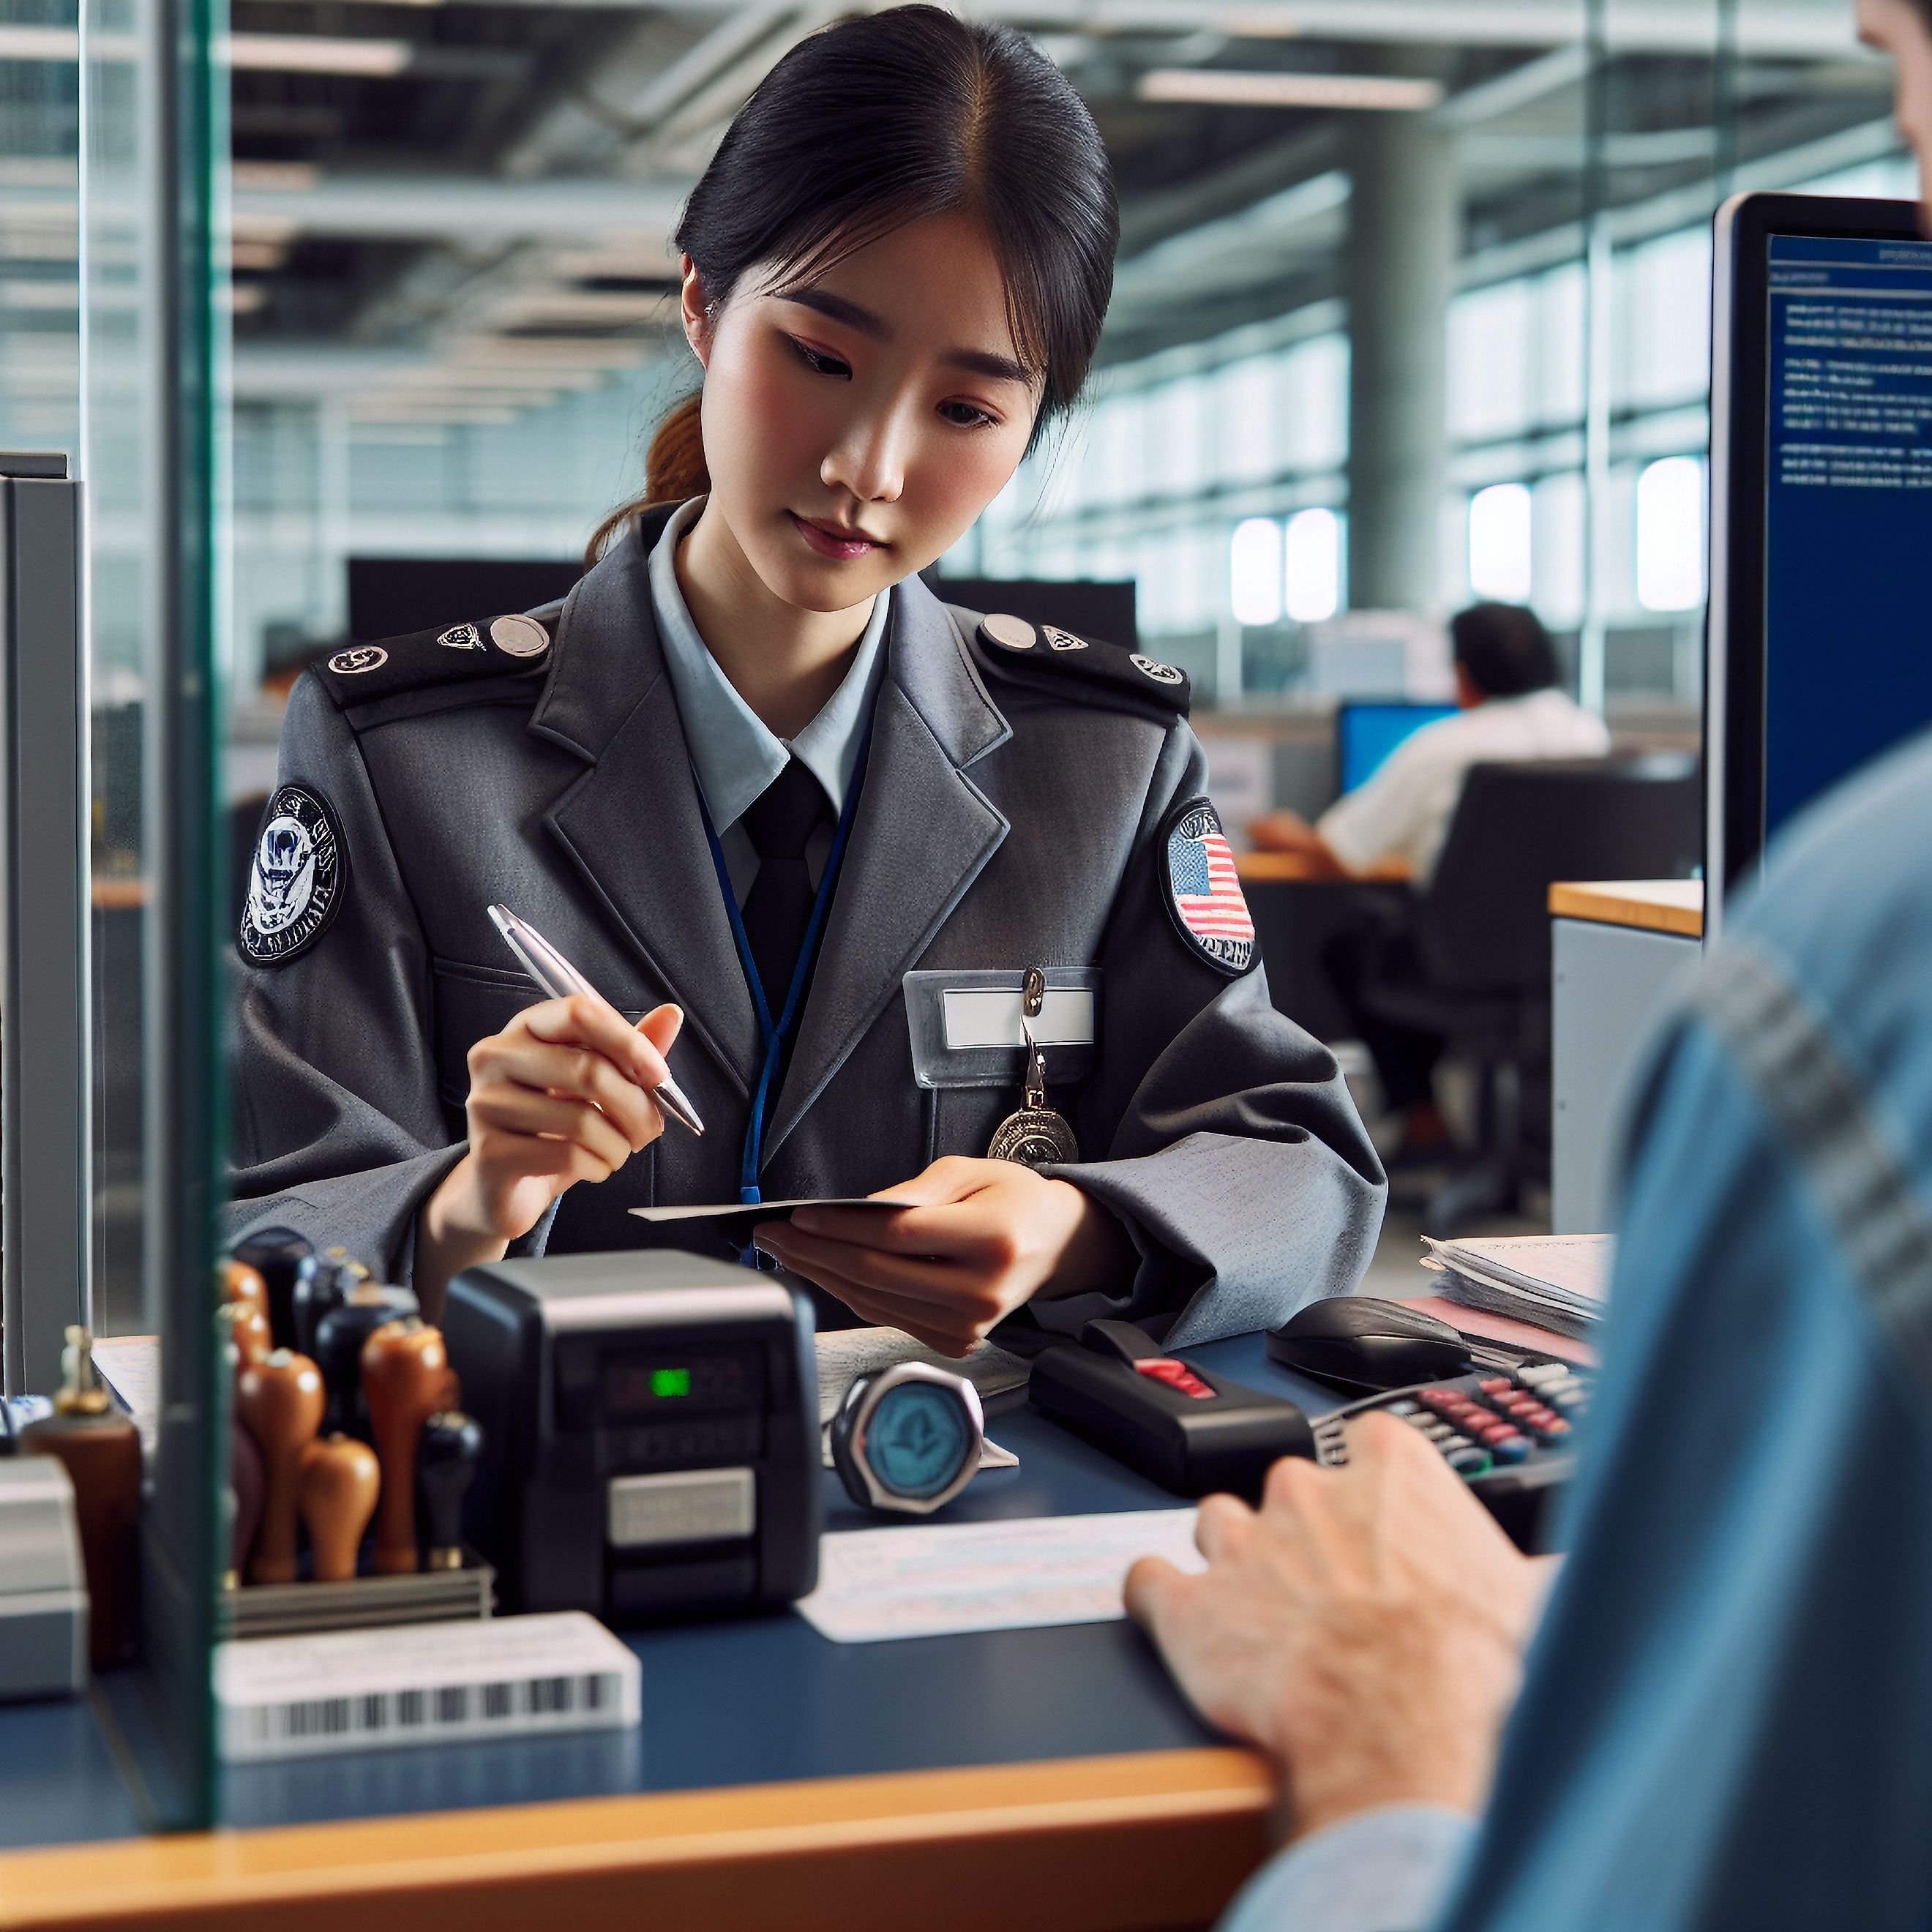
<point>923,833</point>
<point>631,824</point>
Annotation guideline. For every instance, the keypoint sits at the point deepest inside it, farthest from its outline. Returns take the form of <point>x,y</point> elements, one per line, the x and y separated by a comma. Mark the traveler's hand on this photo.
<point>1365,1627</point>
<point>983,1237</point>
<point>557,1097</point>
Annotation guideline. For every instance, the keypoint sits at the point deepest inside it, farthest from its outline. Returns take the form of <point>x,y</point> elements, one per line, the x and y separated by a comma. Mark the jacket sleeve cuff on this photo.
<point>1385,1870</point>
<point>372,1214</point>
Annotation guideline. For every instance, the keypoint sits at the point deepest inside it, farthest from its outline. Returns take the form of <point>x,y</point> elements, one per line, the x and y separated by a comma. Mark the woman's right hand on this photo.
<point>557,1097</point>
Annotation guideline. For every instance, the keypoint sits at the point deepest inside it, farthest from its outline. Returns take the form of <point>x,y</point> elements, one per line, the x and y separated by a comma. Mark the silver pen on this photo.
<point>559,979</point>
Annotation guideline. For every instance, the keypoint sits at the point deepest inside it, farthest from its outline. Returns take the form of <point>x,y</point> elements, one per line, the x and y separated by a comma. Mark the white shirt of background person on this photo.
<point>1403,811</point>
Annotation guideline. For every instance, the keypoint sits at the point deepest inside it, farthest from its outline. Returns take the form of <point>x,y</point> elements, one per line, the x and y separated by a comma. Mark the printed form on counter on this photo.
<point>940,1579</point>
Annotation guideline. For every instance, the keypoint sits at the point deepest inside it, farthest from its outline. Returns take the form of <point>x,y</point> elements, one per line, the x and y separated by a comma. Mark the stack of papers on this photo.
<point>846,1353</point>
<point>1558,1282</point>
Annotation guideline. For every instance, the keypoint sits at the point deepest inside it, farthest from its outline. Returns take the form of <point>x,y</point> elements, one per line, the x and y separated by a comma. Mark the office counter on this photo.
<point>1618,951</point>
<point>1038,1778</point>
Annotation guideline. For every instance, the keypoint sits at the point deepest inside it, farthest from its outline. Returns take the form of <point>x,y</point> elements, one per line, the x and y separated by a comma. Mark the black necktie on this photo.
<point>780,823</point>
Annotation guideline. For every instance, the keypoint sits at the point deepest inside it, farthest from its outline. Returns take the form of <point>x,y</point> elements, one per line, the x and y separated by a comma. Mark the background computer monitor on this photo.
<point>1088,607</point>
<point>1365,734</point>
<point>391,596</point>
<point>1821,507</point>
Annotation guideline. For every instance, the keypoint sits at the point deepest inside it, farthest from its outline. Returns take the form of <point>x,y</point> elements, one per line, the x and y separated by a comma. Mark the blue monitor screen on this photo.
<point>1848,535</point>
<point>1365,734</point>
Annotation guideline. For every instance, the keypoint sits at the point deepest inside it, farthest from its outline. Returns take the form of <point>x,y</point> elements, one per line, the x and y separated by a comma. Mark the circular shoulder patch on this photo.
<point>1203,890</point>
<point>1161,674</point>
<point>297,882</point>
<point>363,657</point>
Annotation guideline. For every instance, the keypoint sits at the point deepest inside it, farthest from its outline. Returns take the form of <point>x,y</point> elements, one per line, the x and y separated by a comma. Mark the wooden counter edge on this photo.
<point>1645,903</point>
<point>1153,1840</point>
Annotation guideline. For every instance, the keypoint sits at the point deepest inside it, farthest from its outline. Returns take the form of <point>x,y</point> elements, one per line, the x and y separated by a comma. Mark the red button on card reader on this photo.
<point>1177,1375</point>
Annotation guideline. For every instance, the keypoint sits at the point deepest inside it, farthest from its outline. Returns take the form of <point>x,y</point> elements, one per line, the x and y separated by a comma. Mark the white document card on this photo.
<point>939,1580</point>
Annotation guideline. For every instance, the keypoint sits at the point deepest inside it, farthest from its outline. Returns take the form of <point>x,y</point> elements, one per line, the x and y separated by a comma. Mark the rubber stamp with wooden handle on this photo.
<point>339,1340</point>
<point>240,1283</point>
<point>245,1330</point>
<point>338,1484</point>
<point>280,1402</point>
<point>451,1447</point>
<point>406,1379</point>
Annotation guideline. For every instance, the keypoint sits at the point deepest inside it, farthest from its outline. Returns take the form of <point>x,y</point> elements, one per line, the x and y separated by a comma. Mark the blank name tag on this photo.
<point>993,1019</point>
<point>965,1029</point>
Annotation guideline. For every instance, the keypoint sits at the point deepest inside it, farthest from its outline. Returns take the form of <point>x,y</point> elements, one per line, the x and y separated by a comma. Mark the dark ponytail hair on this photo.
<point>887,119</point>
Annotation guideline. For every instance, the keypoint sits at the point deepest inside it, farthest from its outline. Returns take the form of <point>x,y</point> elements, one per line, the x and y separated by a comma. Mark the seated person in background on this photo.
<point>1513,711</point>
<point>1725,1720</point>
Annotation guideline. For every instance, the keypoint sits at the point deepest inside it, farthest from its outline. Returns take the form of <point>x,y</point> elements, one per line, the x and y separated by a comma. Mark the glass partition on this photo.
<point>152,323</point>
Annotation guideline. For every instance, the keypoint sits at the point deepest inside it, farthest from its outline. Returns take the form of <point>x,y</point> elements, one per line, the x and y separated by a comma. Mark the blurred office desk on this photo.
<point>1050,1779</point>
<point>1619,950</point>
<point>1296,914</point>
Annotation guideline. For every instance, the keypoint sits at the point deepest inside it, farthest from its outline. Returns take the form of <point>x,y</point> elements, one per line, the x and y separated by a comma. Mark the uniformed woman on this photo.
<point>806,828</point>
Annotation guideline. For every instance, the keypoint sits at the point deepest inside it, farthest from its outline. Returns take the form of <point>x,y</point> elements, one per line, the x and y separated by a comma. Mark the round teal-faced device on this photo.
<point>908,1438</point>
<point>917,1438</point>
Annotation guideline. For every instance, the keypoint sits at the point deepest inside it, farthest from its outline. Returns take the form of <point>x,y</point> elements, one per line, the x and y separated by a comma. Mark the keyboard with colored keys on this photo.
<point>1510,1434</point>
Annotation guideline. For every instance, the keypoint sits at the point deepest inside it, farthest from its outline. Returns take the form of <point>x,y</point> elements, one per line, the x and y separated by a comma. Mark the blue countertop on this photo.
<point>739,1701</point>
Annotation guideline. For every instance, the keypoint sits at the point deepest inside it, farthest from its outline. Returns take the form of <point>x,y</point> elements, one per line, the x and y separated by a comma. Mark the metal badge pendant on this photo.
<point>1036,1136</point>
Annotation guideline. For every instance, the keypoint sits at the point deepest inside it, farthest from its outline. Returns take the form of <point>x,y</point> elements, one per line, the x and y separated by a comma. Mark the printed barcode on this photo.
<point>373,1713</point>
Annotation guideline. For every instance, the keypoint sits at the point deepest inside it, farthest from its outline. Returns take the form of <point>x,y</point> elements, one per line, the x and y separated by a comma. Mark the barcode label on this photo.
<point>255,1722</point>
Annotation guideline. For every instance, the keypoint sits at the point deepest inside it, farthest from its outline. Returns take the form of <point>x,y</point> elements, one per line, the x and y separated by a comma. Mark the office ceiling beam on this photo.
<point>1793,27</point>
<point>475,209</point>
<point>1520,87</point>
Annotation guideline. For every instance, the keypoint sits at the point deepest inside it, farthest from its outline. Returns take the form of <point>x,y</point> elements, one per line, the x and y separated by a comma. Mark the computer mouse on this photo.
<point>1362,1343</point>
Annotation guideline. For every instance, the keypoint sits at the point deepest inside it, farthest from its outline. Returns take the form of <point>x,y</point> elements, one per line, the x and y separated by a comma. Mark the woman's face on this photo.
<point>855,424</point>
<point>1898,28</point>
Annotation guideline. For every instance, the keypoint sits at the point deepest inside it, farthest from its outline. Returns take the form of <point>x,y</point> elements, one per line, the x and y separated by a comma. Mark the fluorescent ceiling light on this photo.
<point>313,53</point>
<point>276,177</point>
<point>277,53</point>
<point>23,43</point>
<point>1217,87</point>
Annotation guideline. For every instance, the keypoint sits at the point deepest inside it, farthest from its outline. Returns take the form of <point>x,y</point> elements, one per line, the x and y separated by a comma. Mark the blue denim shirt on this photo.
<point>1727,1720</point>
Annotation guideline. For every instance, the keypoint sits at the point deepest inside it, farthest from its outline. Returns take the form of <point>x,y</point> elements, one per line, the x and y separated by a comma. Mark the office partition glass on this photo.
<point>151,436</point>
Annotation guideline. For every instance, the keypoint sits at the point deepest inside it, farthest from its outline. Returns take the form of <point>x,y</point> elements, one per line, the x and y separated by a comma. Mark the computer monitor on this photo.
<point>391,596</point>
<point>1821,507</point>
<point>1090,608</point>
<point>1365,734</point>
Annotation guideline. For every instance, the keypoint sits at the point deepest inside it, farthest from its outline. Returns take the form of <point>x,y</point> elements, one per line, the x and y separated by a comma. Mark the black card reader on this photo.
<point>1183,1427</point>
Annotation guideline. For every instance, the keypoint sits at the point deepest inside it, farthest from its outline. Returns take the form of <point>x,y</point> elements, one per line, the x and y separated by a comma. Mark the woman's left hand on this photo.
<point>983,1237</point>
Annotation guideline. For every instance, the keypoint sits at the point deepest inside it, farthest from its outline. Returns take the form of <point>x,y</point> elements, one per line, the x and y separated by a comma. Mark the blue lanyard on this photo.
<point>773,1034</point>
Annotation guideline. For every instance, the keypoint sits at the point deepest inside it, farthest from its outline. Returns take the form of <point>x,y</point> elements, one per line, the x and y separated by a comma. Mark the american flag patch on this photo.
<point>1204,891</point>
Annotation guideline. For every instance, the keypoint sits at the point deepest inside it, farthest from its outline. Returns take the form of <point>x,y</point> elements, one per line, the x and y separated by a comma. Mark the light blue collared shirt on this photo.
<point>734,753</point>
<point>1727,1717</point>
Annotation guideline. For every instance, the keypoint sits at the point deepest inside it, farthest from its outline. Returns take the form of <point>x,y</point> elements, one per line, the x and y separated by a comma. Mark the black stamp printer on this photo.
<point>652,1420</point>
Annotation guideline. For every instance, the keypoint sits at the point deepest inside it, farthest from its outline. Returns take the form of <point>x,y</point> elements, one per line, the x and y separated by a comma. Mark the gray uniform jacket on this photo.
<point>1014,812</point>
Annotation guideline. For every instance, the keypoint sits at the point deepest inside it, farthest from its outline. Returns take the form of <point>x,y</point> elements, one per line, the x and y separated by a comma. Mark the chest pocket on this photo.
<point>965,1031</point>
<point>472,1003</point>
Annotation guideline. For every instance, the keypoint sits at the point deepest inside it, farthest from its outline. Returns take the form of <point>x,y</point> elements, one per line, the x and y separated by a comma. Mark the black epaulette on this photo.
<point>1009,645</point>
<point>505,646</point>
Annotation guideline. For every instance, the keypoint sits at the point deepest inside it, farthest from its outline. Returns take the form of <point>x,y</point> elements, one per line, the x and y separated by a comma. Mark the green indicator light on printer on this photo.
<point>667,1382</point>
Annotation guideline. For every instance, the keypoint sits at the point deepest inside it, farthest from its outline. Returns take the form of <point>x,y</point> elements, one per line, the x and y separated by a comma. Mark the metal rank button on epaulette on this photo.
<point>1009,633</point>
<point>520,637</point>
